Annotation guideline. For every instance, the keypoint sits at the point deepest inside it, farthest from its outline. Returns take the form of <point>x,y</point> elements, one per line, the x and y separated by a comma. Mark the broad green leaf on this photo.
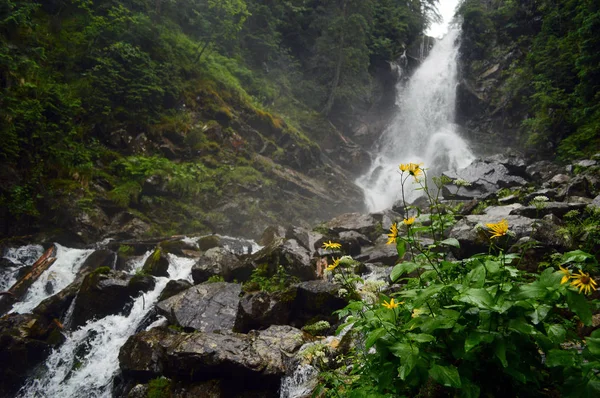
<point>401,269</point>
<point>576,256</point>
<point>404,350</point>
<point>474,338</point>
<point>445,375</point>
<point>424,294</point>
<point>531,291</point>
<point>595,334</point>
<point>445,319</point>
<point>400,248</point>
<point>521,325</point>
<point>478,297</point>
<point>450,242</point>
<point>374,336</point>
<point>476,278</point>
<point>500,351</point>
<point>560,358</point>
<point>593,345</point>
<point>408,364</point>
<point>580,306</point>
<point>556,333</point>
<point>469,390</point>
<point>420,337</point>
<point>550,279</point>
<point>539,314</point>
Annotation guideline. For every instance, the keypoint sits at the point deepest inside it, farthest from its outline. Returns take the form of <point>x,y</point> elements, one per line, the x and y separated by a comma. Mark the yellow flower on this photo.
<point>331,245</point>
<point>393,234</point>
<point>336,262</point>
<point>409,221</point>
<point>566,275</point>
<point>413,169</point>
<point>498,229</point>
<point>584,282</point>
<point>391,305</point>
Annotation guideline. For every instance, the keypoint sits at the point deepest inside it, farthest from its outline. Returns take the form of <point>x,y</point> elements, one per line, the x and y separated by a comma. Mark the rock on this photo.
<point>271,234</point>
<point>556,181</point>
<point>173,288</point>
<point>157,264</point>
<point>583,185</point>
<point>473,238</point>
<point>514,163</point>
<point>308,239</point>
<point>26,341</point>
<point>218,389</point>
<point>596,201</point>
<point>382,253</point>
<point>138,391</point>
<point>290,254</point>
<point>219,261</point>
<point>257,358</point>
<point>485,178</point>
<point>208,242</point>
<point>365,224</point>
<point>510,199</point>
<point>352,242</point>
<point>141,283</point>
<point>547,233</point>
<point>551,194</point>
<point>205,308</point>
<point>104,294</point>
<point>559,209</point>
<point>262,309</point>
<point>586,163</point>
<point>126,225</point>
<point>177,247</point>
<point>501,211</point>
<point>542,170</point>
<point>316,300</point>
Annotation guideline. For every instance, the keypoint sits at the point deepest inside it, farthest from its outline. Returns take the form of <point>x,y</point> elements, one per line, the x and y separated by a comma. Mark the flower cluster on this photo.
<point>413,169</point>
<point>459,182</point>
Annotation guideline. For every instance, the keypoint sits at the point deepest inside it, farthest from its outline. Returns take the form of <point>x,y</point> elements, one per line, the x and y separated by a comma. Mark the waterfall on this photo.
<point>85,365</point>
<point>423,129</point>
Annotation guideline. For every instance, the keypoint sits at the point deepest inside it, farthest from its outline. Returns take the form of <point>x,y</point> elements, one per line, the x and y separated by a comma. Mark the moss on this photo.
<point>159,388</point>
<point>101,271</point>
<point>317,328</point>
<point>125,250</point>
<point>215,279</point>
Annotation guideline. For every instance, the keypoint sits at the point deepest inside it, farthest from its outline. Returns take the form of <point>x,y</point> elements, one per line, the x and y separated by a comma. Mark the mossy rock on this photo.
<point>157,264</point>
<point>208,242</point>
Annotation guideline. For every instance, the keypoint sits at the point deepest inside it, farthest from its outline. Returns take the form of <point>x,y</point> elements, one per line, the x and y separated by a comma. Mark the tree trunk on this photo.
<point>202,51</point>
<point>18,290</point>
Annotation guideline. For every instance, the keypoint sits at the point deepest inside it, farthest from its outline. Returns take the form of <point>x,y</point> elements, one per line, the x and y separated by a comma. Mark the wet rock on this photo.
<point>125,226</point>
<point>559,209</point>
<point>531,253</point>
<point>547,233</point>
<point>205,308</point>
<point>586,163</point>
<point>551,194</point>
<point>173,288</point>
<point>157,264</point>
<point>99,258</point>
<point>294,258</point>
<point>382,253</point>
<point>25,340</point>
<point>557,181</point>
<point>262,309</point>
<point>514,163</point>
<point>542,170</point>
<point>208,242</point>
<point>596,201</point>
<point>271,234</point>
<point>352,242</point>
<point>141,283</point>
<point>365,224</point>
<point>307,238</point>
<point>485,178</point>
<point>257,358</point>
<point>218,389</point>
<point>316,300</point>
<point>219,261</point>
<point>138,391</point>
<point>104,294</point>
<point>501,211</point>
<point>474,238</point>
<point>177,247</point>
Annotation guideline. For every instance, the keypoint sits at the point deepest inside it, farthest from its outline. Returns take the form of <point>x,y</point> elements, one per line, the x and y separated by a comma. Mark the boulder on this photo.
<point>352,242</point>
<point>308,239</point>
<point>271,234</point>
<point>294,258</point>
<point>551,194</point>
<point>208,242</point>
<point>26,341</point>
<point>103,294</point>
<point>173,288</point>
<point>219,261</point>
<point>485,178</point>
<point>559,209</point>
<point>542,170</point>
<point>596,201</point>
<point>316,300</point>
<point>178,247</point>
<point>382,253</point>
<point>514,163</point>
<point>501,211</point>
<point>205,308</point>
<point>260,310</point>
<point>157,264</point>
<point>99,258</point>
<point>586,186</point>
<point>365,224</point>
<point>547,233</point>
<point>254,359</point>
<point>557,181</point>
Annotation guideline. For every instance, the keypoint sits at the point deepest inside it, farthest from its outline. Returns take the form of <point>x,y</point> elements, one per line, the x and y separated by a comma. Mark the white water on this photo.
<point>20,257</point>
<point>422,131</point>
<point>54,279</point>
<point>86,364</point>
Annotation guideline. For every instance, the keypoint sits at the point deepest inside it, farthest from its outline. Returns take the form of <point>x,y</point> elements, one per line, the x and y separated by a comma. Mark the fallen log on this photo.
<point>19,289</point>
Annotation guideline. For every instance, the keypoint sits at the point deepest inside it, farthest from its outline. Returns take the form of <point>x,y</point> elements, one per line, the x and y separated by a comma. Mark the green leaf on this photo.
<point>556,333</point>
<point>560,358</point>
<point>580,306</point>
<point>445,375</point>
<point>521,325</point>
<point>476,278</point>
<point>373,337</point>
<point>408,364</point>
<point>593,345</point>
<point>500,351</point>
<point>420,337</point>
<point>445,319</point>
<point>576,256</point>
<point>478,297</point>
<point>531,291</point>
<point>401,269</point>
<point>404,350</point>
<point>475,338</point>
<point>450,242</point>
<point>400,248</point>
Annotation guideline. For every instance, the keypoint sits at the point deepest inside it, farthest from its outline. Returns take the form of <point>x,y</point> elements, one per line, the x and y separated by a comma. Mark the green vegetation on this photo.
<point>469,328</point>
<point>159,388</point>
<point>262,279</point>
<point>556,72</point>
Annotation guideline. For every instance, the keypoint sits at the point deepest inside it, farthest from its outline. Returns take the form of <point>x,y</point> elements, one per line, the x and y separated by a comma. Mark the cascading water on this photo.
<point>87,362</point>
<point>423,130</point>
